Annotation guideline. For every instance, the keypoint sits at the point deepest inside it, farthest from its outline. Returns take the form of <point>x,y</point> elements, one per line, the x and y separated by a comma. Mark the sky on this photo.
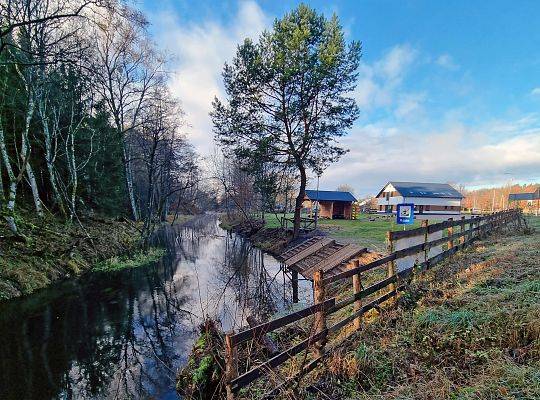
<point>448,91</point>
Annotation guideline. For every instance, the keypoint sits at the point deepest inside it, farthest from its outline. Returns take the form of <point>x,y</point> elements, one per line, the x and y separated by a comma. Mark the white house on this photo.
<point>431,200</point>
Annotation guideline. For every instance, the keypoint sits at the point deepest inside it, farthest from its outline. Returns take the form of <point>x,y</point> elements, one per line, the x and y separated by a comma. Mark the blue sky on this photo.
<point>448,91</point>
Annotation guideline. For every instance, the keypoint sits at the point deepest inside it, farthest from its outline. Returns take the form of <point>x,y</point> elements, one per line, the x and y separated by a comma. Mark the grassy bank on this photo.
<point>56,250</point>
<point>468,329</point>
<point>368,230</point>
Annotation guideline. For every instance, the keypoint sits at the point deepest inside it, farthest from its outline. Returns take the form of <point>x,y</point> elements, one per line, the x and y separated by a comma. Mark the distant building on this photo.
<point>332,204</point>
<point>528,202</point>
<point>431,200</point>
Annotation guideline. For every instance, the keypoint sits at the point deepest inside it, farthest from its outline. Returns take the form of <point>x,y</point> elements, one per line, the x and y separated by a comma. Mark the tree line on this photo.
<point>87,123</point>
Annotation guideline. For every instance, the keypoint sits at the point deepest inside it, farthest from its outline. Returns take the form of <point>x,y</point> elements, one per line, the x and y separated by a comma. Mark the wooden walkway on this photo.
<point>321,253</point>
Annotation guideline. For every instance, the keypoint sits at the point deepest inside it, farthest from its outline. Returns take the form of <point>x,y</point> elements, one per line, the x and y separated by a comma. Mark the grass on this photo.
<point>138,259</point>
<point>467,329</point>
<point>473,335</point>
<point>368,230</point>
<point>55,249</point>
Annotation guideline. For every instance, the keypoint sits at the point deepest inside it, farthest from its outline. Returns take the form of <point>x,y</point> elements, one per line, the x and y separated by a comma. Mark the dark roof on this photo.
<point>419,189</point>
<point>524,196</point>
<point>330,195</point>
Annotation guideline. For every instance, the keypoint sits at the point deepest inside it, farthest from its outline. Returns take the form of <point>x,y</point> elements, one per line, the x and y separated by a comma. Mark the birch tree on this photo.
<point>127,69</point>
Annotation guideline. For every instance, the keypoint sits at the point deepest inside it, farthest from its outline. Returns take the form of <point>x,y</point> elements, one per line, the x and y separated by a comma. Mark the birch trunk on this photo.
<point>25,157</point>
<point>12,194</point>
<point>50,155</point>
<point>129,181</point>
<point>72,166</point>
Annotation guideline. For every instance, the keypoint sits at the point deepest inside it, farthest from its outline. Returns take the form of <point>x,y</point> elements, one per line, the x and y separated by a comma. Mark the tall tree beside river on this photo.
<point>86,121</point>
<point>288,95</point>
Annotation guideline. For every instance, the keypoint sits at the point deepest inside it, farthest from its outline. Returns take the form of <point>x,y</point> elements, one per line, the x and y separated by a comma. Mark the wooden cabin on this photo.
<point>431,200</point>
<point>332,204</point>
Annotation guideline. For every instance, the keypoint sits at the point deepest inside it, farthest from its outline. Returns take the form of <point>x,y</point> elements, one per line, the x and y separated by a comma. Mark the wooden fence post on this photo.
<point>425,224</point>
<point>294,279</point>
<point>462,230</point>
<point>320,318</point>
<point>392,264</point>
<point>231,365</point>
<point>450,230</point>
<point>357,288</point>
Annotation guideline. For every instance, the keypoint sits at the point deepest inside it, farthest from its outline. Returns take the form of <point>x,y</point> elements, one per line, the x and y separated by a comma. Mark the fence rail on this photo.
<point>306,224</point>
<point>477,227</point>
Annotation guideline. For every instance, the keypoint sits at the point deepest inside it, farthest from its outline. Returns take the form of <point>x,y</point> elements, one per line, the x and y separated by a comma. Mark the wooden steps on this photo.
<point>321,253</point>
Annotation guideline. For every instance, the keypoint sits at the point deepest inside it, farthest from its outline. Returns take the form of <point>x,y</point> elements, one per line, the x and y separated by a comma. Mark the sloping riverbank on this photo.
<point>272,240</point>
<point>54,250</point>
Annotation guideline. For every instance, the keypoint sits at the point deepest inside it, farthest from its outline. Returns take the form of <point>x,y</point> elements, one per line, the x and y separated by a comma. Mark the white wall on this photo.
<point>425,201</point>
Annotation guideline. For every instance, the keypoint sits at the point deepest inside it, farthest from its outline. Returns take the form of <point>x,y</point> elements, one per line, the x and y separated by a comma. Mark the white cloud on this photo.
<point>398,146</point>
<point>446,61</point>
<point>410,105</point>
<point>378,82</point>
<point>457,153</point>
<point>535,91</point>
<point>200,50</point>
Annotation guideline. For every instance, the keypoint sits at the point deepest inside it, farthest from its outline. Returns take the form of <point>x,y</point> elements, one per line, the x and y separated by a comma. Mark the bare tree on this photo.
<point>128,68</point>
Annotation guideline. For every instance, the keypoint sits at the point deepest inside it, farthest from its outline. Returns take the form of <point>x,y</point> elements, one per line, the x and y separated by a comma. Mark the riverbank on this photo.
<point>272,239</point>
<point>467,329</point>
<point>56,250</point>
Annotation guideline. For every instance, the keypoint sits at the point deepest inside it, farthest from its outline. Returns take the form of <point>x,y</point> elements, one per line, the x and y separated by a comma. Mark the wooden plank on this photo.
<point>313,248</point>
<point>364,293</point>
<point>293,250</point>
<point>320,319</point>
<point>345,253</point>
<point>255,373</point>
<point>274,324</point>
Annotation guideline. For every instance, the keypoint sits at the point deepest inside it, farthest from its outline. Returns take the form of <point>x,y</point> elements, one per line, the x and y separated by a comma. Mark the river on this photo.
<point>124,335</point>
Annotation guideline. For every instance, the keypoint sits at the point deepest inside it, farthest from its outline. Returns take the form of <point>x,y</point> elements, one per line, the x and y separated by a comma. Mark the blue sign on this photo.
<point>405,214</point>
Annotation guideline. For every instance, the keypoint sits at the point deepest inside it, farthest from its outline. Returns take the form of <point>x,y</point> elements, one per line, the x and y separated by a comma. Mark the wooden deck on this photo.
<point>322,253</point>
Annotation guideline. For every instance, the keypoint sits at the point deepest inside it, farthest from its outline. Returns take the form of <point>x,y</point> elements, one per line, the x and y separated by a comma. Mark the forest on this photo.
<point>87,123</point>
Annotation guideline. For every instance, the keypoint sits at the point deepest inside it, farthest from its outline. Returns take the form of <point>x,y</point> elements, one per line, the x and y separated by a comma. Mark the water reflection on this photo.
<point>124,335</point>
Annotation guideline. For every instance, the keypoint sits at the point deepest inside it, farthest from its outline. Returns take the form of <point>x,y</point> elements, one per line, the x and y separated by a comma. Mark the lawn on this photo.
<point>369,230</point>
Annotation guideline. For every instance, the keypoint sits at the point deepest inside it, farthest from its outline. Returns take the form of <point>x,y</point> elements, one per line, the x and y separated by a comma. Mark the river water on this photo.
<point>124,335</point>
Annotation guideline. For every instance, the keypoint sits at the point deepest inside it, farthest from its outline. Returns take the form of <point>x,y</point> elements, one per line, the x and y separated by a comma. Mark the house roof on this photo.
<point>421,189</point>
<point>329,195</point>
<point>524,196</point>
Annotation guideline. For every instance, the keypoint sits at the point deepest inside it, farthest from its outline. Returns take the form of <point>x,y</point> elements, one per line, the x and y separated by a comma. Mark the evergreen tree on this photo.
<point>289,94</point>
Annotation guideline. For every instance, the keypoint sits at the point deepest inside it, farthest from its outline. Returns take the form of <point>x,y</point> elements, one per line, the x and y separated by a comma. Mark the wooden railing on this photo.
<point>395,282</point>
<point>306,224</point>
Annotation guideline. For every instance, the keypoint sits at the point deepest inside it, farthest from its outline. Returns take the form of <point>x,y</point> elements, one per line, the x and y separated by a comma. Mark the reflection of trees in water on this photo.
<point>243,272</point>
<point>124,335</point>
<point>120,342</point>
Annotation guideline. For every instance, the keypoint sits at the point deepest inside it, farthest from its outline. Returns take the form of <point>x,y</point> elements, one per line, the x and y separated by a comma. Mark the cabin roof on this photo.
<point>524,196</point>
<point>329,195</point>
<point>422,189</point>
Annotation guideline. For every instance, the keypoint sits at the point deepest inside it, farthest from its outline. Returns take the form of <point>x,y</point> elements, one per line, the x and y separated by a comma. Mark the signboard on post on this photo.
<point>405,214</point>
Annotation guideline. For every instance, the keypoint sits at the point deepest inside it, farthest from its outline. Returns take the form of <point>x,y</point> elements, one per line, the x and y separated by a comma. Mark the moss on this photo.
<point>53,249</point>
<point>202,376</point>
<point>137,260</point>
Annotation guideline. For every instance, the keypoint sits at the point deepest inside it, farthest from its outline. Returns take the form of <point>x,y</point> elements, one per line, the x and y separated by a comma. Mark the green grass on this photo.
<point>139,259</point>
<point>368,230</point>
<point>473,334</point>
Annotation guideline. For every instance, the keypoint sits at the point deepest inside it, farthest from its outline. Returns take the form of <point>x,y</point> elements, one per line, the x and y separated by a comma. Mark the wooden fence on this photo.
<point>306,224</point>
<point>451,236</point>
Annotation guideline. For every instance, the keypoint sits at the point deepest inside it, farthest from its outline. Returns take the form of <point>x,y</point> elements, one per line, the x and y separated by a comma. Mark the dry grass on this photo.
<point>468,329</point>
